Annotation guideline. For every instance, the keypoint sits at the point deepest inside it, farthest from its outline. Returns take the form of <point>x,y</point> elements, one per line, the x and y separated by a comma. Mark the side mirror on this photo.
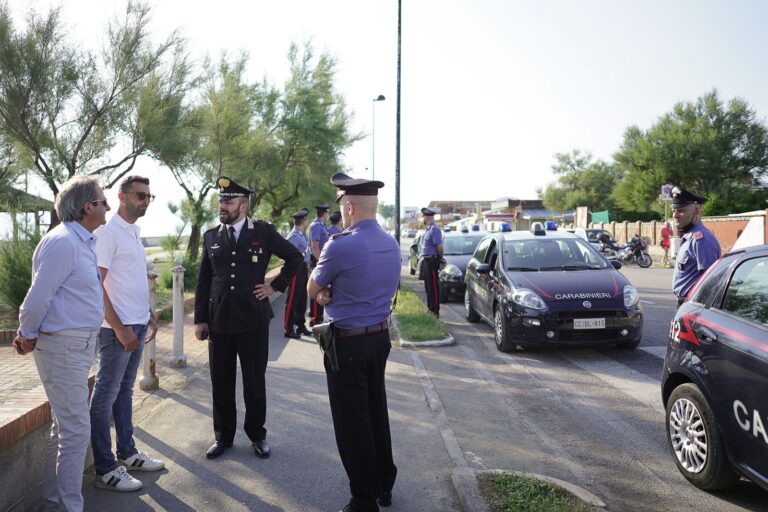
<point>483,268</point>
<point>616,264</point>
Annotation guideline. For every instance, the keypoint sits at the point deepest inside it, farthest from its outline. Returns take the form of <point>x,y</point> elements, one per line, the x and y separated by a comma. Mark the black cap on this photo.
<point>301,214</point>
<point>682,198</point>
<point>335,216</point>
<point>354,186</point>
<point>426,212</point>
<point>229,189</point>
<point>322,208</point>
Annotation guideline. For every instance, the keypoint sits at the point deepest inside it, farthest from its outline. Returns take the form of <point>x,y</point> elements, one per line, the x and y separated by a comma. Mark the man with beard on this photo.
<point>699,248</point>
<point>129,324</point>
<point>232,311</point>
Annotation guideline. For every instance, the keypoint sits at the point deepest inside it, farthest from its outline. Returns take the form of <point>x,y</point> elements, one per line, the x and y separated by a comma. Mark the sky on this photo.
<point>490,89</point>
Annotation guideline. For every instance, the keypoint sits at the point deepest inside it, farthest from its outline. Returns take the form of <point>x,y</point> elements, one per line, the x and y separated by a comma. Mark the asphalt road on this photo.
<point>592,417</point>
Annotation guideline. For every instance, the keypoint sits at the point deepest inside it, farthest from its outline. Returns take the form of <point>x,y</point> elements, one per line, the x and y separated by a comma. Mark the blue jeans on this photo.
<point>113,394</point>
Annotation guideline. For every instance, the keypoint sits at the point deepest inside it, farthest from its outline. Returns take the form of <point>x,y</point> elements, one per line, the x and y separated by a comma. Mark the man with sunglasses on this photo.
<point>129,324</point>
<point>699,248</point>
<point>59,320</point>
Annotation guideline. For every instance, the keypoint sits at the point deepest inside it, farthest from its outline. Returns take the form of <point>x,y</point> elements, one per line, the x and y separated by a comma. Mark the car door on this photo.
<point>473,279</point>
<point>737,334</point>
<point>488,281</point>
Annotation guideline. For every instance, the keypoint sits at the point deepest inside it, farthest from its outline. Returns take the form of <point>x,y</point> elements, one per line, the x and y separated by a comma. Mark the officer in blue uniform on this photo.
<point>335,218</point>
<point>432,258</point>
<point>318,236</point>
<point>356,278</point>
<point>296,293</point>
<point>232,311</point>
<point>699,248</point>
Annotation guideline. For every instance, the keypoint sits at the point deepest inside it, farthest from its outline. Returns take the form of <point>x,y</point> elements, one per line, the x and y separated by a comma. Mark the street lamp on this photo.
<point>373,134</point>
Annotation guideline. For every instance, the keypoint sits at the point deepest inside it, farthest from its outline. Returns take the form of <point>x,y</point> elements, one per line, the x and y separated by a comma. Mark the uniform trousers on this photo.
<point>316,311</point>
<point>63,360</point>
<point>296,300</point>
<point>252,348</point>
<point>358,400</point>
<point>431,283</point>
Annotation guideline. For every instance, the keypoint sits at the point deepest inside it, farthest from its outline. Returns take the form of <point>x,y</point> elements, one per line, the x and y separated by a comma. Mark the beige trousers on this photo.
<point>63,360</point>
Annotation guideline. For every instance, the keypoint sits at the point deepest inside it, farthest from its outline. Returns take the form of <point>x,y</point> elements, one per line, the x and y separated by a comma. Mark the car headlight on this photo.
<point>452,270</point>
<point>528,299</point>
<point>631,297</point>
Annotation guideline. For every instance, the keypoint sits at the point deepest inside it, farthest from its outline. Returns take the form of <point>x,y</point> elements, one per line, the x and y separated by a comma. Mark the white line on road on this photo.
<point>620,376</point>
<point>659,352</point>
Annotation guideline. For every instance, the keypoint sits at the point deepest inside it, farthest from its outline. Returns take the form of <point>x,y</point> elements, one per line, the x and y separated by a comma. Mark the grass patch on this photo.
<point>513,493</point>
<point>416,323</point>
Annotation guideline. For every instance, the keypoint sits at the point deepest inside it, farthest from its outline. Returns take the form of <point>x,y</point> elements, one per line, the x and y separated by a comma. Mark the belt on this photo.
<point>346,333</point>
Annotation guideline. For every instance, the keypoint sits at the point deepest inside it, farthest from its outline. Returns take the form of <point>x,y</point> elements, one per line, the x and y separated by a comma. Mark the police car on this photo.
<point>715,379</point>
<point>550,288</point>
<point>458,247</point>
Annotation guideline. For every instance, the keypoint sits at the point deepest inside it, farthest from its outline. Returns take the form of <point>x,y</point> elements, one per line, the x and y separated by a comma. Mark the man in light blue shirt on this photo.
<point>60,319</point>
<point>296,298</point>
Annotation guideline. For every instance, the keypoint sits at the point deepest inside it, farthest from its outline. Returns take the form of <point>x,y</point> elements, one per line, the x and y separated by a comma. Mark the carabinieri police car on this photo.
<point>715,380</point>
<point>550,288</point>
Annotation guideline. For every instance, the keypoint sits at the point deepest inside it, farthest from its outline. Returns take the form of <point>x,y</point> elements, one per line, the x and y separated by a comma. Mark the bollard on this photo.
<point>148,378</point>
<point>178,359</point>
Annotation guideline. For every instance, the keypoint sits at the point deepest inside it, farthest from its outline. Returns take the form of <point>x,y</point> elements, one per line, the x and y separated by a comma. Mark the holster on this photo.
<point>326,339</point>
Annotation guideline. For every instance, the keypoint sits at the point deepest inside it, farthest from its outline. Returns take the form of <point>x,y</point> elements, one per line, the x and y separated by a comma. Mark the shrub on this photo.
<point>16,268</point>
<point>190,275</point>
<point>166,279</point>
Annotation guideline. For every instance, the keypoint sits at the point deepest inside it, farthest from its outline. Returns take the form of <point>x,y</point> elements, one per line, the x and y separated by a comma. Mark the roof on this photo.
<point>536,213</point>
<point>528,235</point>
<point>12,199</point>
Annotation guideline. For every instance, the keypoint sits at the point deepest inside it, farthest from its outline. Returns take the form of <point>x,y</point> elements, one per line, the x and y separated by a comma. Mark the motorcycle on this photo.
<point>633,250</point>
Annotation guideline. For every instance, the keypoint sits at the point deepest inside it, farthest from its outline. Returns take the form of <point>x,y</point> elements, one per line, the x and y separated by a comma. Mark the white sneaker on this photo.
<point>142,462</point>
<point>118,480</point>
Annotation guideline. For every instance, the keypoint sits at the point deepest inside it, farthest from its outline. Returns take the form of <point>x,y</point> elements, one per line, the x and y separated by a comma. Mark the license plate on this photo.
<point>589,323</point>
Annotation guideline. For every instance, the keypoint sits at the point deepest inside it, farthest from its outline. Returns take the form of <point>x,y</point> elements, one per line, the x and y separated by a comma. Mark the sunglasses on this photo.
<point>103,202</point>
<point>143,195</point>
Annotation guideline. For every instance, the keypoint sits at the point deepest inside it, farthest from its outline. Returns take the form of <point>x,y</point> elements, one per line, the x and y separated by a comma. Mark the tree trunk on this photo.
<point>55,221</point>
<point>193,245</point>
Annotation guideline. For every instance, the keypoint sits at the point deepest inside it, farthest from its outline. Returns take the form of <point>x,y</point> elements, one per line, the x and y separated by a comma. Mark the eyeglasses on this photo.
<point>103,202</point>
<point>141,196</point>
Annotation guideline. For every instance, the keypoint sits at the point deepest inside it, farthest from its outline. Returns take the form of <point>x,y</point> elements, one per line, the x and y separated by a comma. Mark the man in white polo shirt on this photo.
<point>129,324</point>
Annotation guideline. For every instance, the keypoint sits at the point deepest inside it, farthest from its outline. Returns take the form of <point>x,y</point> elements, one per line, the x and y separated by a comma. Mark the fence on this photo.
<point>725,228</point>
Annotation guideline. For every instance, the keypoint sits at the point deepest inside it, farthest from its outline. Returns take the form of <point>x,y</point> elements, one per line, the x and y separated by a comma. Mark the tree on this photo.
<point>386,210</point>
<point>710,148</point>
<point>306,129</point>
<point>68,108</point>
<point>581,182</point>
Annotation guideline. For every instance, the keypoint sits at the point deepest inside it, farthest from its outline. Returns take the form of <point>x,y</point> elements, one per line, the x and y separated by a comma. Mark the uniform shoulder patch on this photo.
<point>216,228</point>
<point>698,235</point>
<point>339,235</point>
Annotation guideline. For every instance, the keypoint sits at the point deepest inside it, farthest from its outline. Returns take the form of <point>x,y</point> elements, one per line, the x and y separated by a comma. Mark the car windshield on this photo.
<point>542,254</point>
<point>460,245</point>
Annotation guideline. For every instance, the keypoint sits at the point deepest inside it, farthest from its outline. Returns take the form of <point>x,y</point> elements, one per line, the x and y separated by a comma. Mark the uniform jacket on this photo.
<point>224,295</point>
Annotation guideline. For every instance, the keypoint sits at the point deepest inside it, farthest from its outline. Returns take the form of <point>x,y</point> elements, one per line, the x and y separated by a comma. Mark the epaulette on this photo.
<point>698,235</point>
<point>209,230</point>
<point>338,235</point>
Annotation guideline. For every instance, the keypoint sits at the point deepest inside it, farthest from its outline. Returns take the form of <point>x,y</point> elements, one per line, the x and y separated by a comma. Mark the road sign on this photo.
<point>666,192</point>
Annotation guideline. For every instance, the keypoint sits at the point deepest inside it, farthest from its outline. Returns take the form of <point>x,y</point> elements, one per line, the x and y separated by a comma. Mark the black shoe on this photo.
<point>303,330</point>
<point>217,449</point>
<point>385,499</point>
<point>292,334</point>
<point>261,448</point>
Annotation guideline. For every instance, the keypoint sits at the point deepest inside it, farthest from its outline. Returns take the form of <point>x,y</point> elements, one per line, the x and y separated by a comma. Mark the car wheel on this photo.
<point>694,440</point>
<point>412,270</point>
<point>469,312</point>
<point>500,331</point>
<point>644,260</point>
<point>629,345</point>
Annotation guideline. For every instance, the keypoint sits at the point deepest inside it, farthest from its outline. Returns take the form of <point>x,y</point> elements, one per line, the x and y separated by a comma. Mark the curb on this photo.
<point>428,343</point>
<point>464,481</point>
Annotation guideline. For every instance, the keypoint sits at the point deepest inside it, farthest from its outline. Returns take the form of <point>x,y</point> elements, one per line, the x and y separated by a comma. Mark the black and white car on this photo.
<point>550,288</point>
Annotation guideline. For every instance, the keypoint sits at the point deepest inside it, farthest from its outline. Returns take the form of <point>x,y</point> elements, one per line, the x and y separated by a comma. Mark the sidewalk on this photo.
<point>304,472</point>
